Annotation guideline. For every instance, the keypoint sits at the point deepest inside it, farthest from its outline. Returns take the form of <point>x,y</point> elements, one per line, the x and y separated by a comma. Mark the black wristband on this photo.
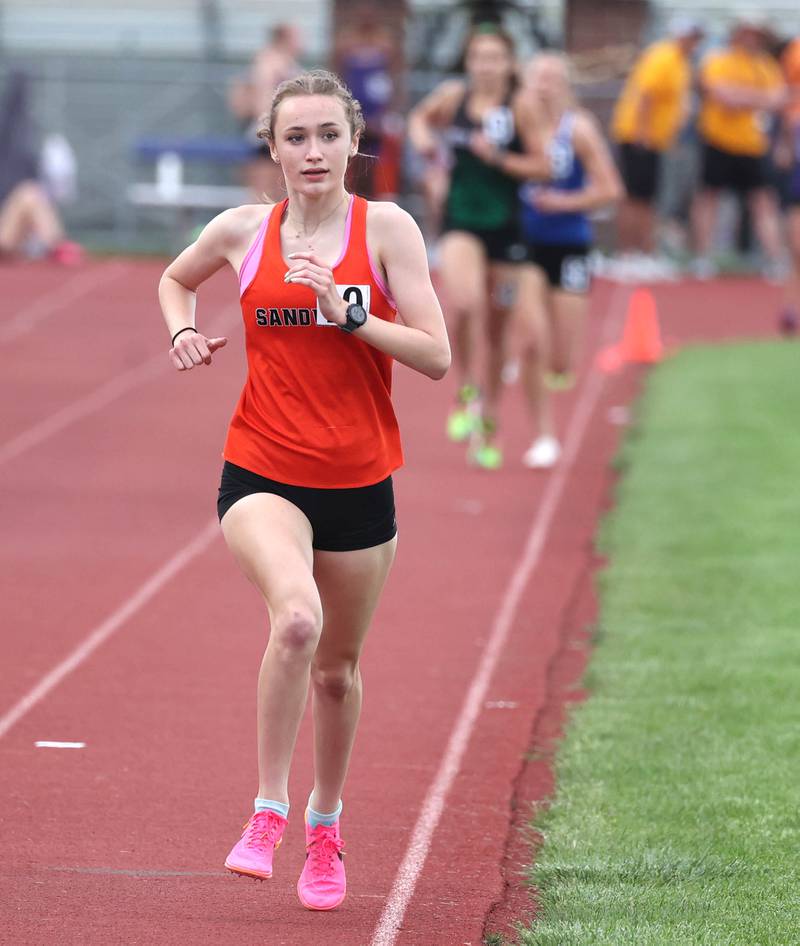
<point>189,328</point>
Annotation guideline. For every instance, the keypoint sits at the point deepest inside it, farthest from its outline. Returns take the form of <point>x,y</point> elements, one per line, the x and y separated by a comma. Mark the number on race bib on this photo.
<point>352,294</point>
<point>575,274</point>
<point>561,159</point>
<point>498,126</point>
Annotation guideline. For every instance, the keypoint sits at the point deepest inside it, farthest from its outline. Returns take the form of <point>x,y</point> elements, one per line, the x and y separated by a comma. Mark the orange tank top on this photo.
<point>316,409</point>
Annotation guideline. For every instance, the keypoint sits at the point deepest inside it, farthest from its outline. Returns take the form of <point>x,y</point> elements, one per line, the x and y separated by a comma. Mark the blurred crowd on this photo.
<point>705,135</point>
<point>708,148</point>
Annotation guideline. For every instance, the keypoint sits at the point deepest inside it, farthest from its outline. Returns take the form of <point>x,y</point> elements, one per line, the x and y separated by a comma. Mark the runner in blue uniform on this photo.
<point>553,292</point>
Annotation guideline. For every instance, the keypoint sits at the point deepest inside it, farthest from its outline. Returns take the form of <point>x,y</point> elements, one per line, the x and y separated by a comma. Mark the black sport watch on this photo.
<point>356,317</point>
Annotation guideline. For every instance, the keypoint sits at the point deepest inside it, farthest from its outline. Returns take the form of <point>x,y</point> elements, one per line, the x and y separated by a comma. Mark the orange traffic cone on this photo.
<point>641,337</point>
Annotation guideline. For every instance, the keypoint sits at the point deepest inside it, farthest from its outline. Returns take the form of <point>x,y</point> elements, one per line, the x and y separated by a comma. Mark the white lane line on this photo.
<point>98,399</point>
<point>112,623</point>
<point>81,284</point>
<point>408,873</point>
<point>132,872</point>
<point>45,744</point>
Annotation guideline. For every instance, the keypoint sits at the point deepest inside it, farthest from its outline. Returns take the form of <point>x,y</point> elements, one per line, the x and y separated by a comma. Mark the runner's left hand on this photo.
<point>482,148</point>
<point>309,270</point>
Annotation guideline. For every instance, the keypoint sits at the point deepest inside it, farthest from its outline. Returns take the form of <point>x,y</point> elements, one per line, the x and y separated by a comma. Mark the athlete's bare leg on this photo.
<point>502,293</point>
<point>464,272</point>
<point>27,212</point>
<point>635,226</point>
<point>568,314</point>
<point>704,218</point>
<point>350,584</point>
<point>271,540</point>
<point>532,312</point>
<point>766,221</point>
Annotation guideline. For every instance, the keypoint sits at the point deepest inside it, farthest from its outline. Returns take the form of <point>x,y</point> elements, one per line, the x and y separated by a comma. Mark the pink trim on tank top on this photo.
<point>379,280</point>
<point>249,267</point>
<point>347,227</point>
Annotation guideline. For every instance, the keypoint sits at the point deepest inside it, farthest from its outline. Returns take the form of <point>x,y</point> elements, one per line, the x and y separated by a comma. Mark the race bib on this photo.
<point>561,158</point>
<point>498,126</point>
<point>575,274</point>
<point>352,295</point>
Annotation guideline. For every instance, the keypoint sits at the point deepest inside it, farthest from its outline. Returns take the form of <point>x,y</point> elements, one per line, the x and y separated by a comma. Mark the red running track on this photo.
<point>109,463</point>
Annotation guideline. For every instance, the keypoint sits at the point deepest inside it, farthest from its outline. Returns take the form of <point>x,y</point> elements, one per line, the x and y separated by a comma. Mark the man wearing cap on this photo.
<point>648,116</point>
<point>741,86</point>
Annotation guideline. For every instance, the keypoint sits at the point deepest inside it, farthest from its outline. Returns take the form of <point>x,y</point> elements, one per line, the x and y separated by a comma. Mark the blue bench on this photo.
<point>169,156</point>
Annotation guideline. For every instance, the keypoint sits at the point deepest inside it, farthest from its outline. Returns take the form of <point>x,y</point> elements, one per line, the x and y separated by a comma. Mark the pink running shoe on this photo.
<point>322,885</point>
<point>67,253</point>
<point>252,854</point>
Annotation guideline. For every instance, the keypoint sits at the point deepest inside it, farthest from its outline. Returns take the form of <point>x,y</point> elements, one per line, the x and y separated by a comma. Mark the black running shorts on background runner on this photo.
<point>342,520</point>
<point>723,170</point>
<point>640,169</point>
<point>566,267</point>
<point>793,185</point>
<point>792,191</point>
<point>502,245</point>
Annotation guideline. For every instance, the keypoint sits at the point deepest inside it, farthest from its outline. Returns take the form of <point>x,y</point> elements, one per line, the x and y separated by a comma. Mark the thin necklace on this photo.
<point>304,232</point>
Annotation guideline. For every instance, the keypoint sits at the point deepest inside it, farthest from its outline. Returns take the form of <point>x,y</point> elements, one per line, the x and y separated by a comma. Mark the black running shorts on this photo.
<point>342,520</point>
<point>640,169</point>
<point>724,170</point>
<point>502,245</point>
<point>566,267</point>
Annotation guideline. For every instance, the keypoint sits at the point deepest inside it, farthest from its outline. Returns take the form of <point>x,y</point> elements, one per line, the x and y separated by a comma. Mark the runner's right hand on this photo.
<point>192,349</point>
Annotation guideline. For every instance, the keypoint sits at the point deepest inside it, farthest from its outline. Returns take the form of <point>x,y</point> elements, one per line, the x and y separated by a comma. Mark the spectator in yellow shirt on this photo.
<point>648,116</point>
<point>790,139</point>
<point>741,86</point>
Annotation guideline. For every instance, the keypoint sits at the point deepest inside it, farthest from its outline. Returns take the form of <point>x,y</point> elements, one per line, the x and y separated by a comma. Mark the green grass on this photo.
<point>677,813</point>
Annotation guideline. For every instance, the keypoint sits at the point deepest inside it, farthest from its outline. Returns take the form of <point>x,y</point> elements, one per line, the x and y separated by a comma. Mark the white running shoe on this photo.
<point>542,454</point>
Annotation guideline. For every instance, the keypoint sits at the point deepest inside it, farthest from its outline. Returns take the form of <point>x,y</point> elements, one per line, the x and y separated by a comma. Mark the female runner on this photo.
<point>306,501</point>
<point>553,293</point>
<point>480,229</point>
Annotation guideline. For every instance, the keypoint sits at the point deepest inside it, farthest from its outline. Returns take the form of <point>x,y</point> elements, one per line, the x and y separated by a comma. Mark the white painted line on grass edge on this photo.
<point>112,623</point>
<point>408,873</point>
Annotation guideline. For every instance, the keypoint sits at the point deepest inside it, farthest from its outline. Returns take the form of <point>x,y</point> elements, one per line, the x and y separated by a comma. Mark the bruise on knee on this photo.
<point>296,630</point>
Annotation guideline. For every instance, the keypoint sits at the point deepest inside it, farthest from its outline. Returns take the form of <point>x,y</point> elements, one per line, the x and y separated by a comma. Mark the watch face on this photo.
<point>356,314</point>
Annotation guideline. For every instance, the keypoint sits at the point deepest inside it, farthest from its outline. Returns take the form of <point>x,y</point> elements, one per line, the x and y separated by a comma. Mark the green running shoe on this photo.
<point>483,452</point>
<point>487,456</point>
<point>464,419</point>
<point>555,381</point>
